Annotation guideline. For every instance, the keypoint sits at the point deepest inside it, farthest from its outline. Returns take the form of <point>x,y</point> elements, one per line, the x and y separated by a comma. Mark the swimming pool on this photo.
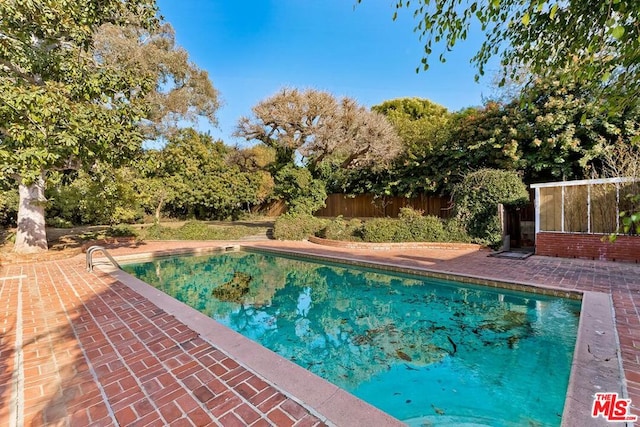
<point>426,351</point>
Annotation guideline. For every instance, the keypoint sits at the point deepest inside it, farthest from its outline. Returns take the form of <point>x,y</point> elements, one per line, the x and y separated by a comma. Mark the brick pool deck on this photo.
<point>79,348</point>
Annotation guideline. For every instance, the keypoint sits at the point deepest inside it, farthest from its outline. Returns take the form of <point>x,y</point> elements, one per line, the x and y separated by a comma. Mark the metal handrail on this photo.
<point>96,248</point>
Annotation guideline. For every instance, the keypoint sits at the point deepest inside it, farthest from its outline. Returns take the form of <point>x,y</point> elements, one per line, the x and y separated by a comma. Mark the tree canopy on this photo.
<point>419,122</point>
<point>317,126</point>
<point>191,178</point>
<point>558,133</point>
<point>81,83</point>
<point>597,42</point>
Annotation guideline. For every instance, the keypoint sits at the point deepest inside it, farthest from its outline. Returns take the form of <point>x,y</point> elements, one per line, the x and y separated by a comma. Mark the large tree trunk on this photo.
<point>31,235</point>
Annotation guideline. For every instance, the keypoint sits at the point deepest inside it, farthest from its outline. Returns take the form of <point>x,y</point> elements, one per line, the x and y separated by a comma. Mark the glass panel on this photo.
<point>550,209</point>
<point>575,209</point>
<point>603,208</point>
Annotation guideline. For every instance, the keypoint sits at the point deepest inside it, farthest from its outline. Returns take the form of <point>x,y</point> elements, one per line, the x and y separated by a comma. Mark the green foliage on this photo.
<point>418,122</point>
<point>8,207</point>
<point>105,196</point>
<point>339,229</point>
<point>196,230</point>
<point>558,132</point>
<point>291,226</point>
<point>479,138</point>
<point>422,228</point>
<point>597,42</point>
<point>630,220</point>
<point>476,202</point>
<point>412,226</point>
<point>455,231</point>
<point>302,194</point>
<point>380,230</point>
<point>422,126</point>
<point>59,108</point>
<point>562,131</point>
<point>190,178</point>
<point>85,83</point>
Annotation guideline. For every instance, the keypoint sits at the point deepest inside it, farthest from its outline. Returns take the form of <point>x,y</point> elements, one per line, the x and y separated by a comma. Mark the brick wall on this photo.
<point>590,246</point>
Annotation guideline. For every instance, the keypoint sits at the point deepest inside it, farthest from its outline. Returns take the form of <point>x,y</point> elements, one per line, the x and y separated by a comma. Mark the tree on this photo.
<point>563,132</point>
<point>106,196</point>
<point>598,41</point>
<point>258,161</point>
<point>478,138</point>
<point>180,91</point>
<point>557,133</point>
<point>196,178</point>
<point>71,98</point>
<point>623,160</point>
<point>318,126</point>
<point>155,188</point>
<point>422,126</point>
<point>419,122</point>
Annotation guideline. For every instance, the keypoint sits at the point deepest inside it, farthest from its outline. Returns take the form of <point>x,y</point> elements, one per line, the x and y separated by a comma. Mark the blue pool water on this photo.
<point>426,351</point>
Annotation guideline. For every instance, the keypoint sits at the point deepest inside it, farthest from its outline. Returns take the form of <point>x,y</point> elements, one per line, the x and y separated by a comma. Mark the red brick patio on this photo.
<point>79,348</point>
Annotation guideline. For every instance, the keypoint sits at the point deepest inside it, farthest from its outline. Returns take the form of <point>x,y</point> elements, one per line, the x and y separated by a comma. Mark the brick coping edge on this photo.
<point>595,366</point>
<point>391,246</point>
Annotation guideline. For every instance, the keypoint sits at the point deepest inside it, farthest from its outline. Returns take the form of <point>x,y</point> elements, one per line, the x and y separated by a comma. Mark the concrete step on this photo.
<point>268,235</point>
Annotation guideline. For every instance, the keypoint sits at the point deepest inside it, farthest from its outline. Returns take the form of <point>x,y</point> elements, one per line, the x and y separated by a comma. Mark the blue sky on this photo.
<point>252,48</point>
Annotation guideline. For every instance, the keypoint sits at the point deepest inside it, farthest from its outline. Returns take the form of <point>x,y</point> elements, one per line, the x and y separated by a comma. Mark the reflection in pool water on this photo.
<point>427,351</point>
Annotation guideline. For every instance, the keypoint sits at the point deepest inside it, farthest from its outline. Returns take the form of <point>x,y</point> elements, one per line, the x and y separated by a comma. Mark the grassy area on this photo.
<point>196,230</point>
<point>61,239</point>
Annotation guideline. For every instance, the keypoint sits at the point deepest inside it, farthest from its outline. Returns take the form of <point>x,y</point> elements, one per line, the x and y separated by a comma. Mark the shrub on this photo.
<point>427,229</point>
<point>335,229</point>
<point>409,214</point>
<point>302,194</point>
<point>193,230</point>
<point>155,232</point>
<point>380,230</point>
<point>291,226</point>
<point>105,197</point>
<point>411,226</point>
<point>418,228</point>
<point>354,228</point>
<point>476,202</point>
<point>455,231</point>
<point>196,230</point>
<point>125,215</point>
<point>339,229</point>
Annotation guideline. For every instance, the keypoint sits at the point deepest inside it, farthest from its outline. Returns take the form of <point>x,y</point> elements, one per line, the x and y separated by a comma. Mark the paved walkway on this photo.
<point>83,349</point>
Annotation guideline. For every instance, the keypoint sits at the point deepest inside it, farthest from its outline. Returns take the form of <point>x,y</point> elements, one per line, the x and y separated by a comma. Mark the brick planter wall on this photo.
<point>589,246</point>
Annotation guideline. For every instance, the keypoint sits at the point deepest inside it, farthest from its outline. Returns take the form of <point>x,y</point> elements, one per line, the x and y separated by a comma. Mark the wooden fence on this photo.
<point>270,209</point>
<point>366,205</point>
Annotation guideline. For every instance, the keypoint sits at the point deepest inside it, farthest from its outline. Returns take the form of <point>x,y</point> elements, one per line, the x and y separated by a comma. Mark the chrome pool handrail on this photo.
<point>96,248</point>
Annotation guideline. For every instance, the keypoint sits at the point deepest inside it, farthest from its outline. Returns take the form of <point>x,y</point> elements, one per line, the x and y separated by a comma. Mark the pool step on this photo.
<point>268,235</point>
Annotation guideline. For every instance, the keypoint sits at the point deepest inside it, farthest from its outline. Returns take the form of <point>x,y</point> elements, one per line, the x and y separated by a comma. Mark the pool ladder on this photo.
<point>90,252</point>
